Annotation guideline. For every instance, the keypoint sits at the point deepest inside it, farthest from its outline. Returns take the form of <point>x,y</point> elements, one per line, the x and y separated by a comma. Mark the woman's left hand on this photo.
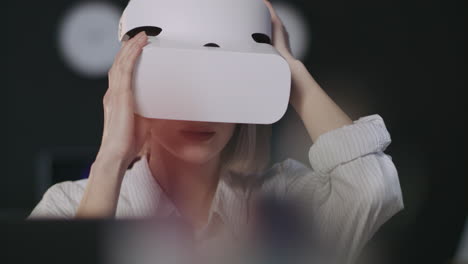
<point>280,35</point>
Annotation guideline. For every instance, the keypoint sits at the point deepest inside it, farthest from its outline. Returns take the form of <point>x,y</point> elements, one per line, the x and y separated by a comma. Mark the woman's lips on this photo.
<point>197,135</point>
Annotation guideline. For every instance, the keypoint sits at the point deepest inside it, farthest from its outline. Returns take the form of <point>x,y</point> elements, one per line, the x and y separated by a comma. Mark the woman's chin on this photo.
<point>197,155</point>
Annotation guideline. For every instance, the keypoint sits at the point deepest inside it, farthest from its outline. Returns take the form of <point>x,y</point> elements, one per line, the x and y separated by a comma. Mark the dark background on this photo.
<point>404,60</point>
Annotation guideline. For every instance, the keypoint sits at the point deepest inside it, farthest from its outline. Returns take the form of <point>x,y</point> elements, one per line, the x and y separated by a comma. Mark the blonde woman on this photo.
<point>194,168</point>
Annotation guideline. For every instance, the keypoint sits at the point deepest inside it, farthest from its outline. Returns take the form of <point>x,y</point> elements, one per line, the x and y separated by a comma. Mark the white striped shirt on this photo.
<point>352,188</point>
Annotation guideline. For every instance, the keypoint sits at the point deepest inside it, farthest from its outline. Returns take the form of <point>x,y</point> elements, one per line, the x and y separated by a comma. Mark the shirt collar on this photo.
<point>147,198</point>
<point>230,203</point>
<point>145,195</point>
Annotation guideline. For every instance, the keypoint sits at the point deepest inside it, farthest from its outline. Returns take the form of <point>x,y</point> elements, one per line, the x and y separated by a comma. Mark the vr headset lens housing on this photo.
<point>207,60</point>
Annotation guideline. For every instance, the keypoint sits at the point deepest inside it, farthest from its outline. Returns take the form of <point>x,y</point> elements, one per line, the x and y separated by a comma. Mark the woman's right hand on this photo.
<point>124,131</point>
<point>123,136</point>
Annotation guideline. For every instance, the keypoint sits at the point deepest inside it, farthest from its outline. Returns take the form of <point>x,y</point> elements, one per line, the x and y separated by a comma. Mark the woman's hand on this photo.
<point>280,35</point>
<point>317,110</point>
<point>281,43</point>
<point>124,132</point>
<point>123,136</point>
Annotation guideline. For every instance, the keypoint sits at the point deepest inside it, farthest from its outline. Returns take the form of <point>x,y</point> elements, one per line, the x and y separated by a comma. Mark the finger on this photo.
<point>115,71</point>
<point>129,45</point>
<point>123,44</point>
<point>123,48</point>
<point>126,59</point>
<point>129,61</point>
<point>130,58</point>
<point>278,30</point>
<point>125,65</point>
<point>274,16</point>
<point>279,34</point>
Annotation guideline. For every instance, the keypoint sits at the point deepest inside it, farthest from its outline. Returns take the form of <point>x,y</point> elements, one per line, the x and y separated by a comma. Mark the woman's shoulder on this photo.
<point>283,175</point>
<point>60,200</point>
<point>287,168</point>
<point>70,188</point>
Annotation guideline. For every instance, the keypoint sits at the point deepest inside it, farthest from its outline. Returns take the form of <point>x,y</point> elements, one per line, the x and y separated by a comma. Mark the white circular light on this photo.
<point>296,26</point>
<point>87,38</point>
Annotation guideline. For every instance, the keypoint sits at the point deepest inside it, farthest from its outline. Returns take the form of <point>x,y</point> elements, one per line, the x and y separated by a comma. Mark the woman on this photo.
<point>204,171</point>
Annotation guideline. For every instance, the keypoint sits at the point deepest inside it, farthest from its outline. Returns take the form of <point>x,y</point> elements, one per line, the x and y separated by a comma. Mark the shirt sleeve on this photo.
<point>59,201</point>
<point>353,186</point>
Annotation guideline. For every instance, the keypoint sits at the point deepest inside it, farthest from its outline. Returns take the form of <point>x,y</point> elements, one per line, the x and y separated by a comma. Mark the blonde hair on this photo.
<point>246,153</point>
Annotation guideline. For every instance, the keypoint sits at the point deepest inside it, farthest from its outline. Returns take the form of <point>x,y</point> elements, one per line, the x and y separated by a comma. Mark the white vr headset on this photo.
<point>207,60</point>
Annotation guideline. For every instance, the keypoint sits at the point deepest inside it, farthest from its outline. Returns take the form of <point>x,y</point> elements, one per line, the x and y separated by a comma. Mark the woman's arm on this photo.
<point>102,190</point>
<point>317,110</point>
<point>123,136</point>
<point>353,187</point>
